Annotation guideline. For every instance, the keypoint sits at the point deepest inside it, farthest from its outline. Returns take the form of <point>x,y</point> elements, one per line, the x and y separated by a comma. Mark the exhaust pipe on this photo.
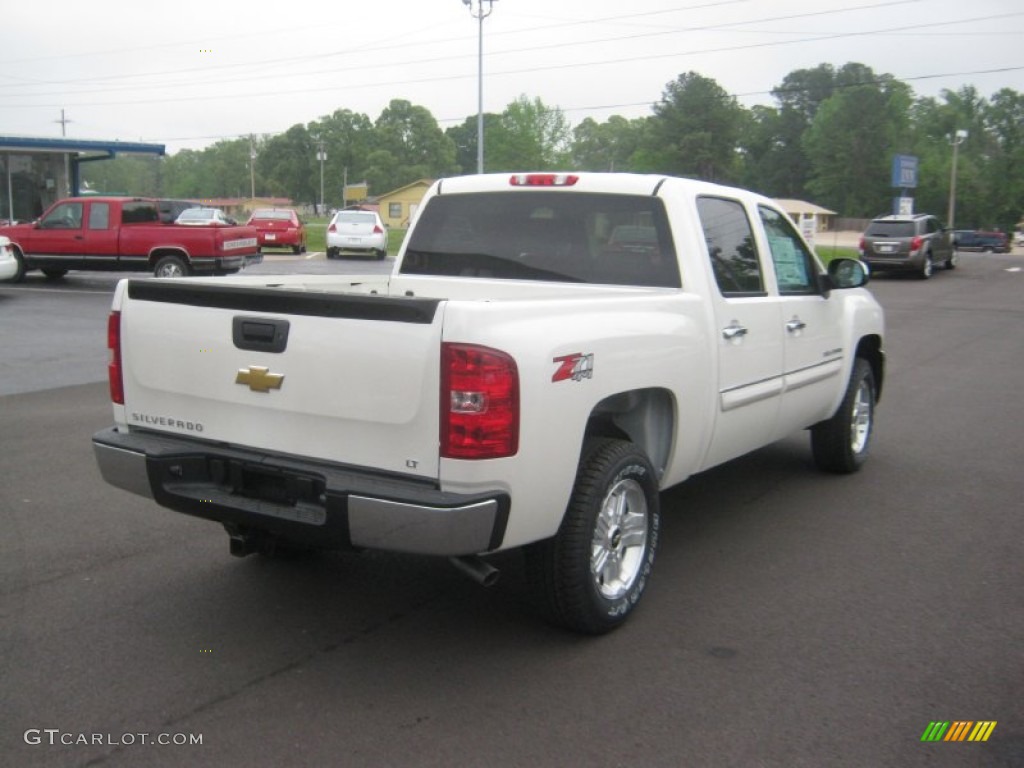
<point>477,569</point>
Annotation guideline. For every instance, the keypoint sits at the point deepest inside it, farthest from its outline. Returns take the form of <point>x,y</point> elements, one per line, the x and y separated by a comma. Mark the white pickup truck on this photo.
<point>549,352</point>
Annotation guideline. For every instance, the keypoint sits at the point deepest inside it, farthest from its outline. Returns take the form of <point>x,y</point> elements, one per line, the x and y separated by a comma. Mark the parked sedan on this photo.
<point>279,228</point>
<point>205,217</point>
<point>8,263</point>
<point>360,231</point>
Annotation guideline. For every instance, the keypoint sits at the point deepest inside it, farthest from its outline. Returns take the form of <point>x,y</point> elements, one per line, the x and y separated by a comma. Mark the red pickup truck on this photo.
<point>126,234</point>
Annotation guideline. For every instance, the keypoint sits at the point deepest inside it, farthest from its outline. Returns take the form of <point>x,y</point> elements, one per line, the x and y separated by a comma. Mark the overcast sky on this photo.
<point>189,73</point>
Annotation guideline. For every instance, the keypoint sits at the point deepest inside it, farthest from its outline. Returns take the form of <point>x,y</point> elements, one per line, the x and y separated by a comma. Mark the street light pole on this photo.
<point>479,14</point>
<point>321,155</point>
<point>956,140</point>
<point>252,168</point>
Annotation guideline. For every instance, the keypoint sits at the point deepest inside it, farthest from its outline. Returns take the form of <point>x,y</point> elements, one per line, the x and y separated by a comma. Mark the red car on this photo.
<point>279,228</point>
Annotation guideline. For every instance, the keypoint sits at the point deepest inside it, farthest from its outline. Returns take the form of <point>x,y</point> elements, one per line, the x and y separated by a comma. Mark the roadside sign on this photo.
<point>904,171</point>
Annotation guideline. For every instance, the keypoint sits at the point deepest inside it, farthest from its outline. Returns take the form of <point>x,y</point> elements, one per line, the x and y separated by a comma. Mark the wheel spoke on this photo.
<point>634,531</point>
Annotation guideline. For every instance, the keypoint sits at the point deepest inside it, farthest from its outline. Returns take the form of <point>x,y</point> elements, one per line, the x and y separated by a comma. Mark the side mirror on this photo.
<point>848,273</point>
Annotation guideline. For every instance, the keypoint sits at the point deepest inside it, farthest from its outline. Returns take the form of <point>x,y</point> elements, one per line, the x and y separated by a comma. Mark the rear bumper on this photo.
<point>225,263</point>
<point>913,263</point>
<point>300,501</point>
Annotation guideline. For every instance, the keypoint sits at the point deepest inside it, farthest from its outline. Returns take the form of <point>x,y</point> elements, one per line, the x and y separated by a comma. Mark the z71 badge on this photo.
<point>576,367</point>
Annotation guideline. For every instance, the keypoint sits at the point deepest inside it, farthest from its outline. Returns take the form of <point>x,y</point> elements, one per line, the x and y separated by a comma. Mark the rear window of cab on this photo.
<point>550,236</point>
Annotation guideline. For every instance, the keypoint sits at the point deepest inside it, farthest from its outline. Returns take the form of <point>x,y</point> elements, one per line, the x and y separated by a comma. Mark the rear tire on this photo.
<point>927,268</point>
<point>841,443</point>
<point>171,266</point>
<point>591,575</point>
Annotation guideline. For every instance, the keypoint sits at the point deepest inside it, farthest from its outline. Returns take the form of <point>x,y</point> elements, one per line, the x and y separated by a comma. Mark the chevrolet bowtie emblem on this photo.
<point>259,379</point>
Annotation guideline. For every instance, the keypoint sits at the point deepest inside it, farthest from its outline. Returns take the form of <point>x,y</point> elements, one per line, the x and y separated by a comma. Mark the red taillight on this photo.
<point>860,245</point>
<point>543,180</point>
<point>114,370</point>
<point>479,403</point>
<point>377,230</point>
<point>916,243</point>
<point>332,228</point>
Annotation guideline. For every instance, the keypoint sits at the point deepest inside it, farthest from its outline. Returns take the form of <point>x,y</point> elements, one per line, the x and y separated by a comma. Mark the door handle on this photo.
<point>734,332</point>
<point>795,325</point>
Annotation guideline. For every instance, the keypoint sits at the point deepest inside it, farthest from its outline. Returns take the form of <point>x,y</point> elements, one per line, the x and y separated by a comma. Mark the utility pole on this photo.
<point>63,123</point>
<point>956,140</point>
<point>480,15</point>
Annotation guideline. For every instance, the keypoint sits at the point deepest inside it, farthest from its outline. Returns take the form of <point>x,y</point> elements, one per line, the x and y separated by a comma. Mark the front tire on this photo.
<point>591,575</point>
<point>841,443</point>
<point>19,260</point>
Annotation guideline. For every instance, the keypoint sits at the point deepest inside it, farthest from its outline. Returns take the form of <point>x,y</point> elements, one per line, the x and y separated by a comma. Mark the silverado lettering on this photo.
<point>419,414</point>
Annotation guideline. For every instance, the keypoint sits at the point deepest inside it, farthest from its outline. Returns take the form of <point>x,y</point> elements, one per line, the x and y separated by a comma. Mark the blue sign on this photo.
<point>904,171</point>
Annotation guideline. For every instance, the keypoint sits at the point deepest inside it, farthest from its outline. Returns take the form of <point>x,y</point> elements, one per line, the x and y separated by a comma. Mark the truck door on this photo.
<point>813,344</point>
<point>748,333</point>
<point>59,235</point>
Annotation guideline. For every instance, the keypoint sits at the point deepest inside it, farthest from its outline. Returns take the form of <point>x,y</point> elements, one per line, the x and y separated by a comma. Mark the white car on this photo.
<point>204,217</point>
<point>360,231</point>
<point>8,263</point>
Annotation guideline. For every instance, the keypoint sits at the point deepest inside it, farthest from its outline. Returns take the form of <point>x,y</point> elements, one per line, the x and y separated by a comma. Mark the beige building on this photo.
<point>808,216</point>
<point>398,206</point>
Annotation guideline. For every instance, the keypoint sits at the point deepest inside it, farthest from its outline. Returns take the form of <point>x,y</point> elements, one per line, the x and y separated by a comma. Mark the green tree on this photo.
<point>347,138</point>
<point>418,146</point>
<point>694,131</point>
<point>850,146</point>
<point>607,146</point>
<point>528,136</point>
<point>289,166</point>
<point>1004,119</point>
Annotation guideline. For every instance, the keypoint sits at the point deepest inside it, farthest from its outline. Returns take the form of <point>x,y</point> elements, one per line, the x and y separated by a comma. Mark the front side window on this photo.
<point>551,236</point>
<point>731,247</point>
<point>64,216</point>
<point>795,269</point>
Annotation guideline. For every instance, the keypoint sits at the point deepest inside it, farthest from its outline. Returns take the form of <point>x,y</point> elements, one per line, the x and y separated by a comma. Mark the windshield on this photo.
<point>548,236</point>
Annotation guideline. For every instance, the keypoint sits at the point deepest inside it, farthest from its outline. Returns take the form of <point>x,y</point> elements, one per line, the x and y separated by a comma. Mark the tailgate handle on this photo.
<point>259,334</point>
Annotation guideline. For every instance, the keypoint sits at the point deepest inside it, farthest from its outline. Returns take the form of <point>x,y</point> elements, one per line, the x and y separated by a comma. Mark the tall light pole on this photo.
<point>480,14</point>
<point>956,140</point>
<point>252,168</point>
<point>321,155</point>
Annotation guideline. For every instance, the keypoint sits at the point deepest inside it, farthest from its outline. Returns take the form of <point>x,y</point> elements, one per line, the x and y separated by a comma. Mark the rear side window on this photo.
<point>99,215</point>
<point>139,213</point>
<point>731,246</point>
<point>547,236</point>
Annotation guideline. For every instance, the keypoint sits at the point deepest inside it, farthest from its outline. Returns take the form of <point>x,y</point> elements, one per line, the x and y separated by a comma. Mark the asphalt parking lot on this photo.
<point>794,619</point>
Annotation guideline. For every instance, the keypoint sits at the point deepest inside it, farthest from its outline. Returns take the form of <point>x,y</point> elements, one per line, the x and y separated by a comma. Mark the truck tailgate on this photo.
<point>344,378</point>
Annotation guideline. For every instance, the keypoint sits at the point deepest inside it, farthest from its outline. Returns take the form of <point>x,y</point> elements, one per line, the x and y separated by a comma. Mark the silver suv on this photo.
<point>913,243</point>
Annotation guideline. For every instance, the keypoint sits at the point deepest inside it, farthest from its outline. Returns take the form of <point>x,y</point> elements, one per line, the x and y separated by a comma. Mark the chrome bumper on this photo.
<point>298,500</point>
